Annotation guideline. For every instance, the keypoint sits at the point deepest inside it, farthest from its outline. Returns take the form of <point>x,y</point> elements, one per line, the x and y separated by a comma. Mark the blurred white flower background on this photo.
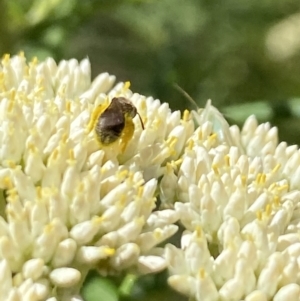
<point>69,206</point>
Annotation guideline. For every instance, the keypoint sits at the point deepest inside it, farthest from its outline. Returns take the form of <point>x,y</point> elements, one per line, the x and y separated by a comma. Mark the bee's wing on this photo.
<point>113,116</point>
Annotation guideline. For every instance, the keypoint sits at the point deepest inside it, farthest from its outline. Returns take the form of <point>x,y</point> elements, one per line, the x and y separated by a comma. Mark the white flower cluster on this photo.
<point>67,205</point>
<point>239,203</point>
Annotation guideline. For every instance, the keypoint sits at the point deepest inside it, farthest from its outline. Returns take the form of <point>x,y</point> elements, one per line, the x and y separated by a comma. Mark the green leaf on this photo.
<point>98,288</point>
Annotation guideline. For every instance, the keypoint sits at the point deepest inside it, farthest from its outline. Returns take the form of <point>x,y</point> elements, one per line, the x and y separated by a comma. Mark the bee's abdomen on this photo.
<point>108,133</point>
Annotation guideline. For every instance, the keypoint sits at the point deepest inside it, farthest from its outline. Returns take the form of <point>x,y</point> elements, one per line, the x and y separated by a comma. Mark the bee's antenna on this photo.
<point>141,121</point>
<point>178,88</point>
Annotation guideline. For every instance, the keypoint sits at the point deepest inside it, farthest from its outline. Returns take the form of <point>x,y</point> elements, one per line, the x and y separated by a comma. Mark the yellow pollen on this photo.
<point>157,234</point>
<point>122,201</point>
<point>169,168</point>
<point>68,106</point>
<point>34,61</point>
<point>258,178</point>
<point>173,140</point>
<point>32,148</point>
<point>39,82</point>
<point>212,137</point>
<point>244,180</point>
<point>276,201</point>
<point>215,169</point>
<point>200,135</point>
<point>62,90</point>
<point>248,237</point>
<point>103,170</point>
<point>268,210</point>
<point>7,183</point>
<point>139,183</point>
<point>259,215</point>
<point>2,81</point>
<point>156,124</point>
<point>186,115</point>
<point>96,114</point>
<point>227,160</point>
<point>10,106</point>
<point>272,186</point>
<point>39,91</point>
<point>198,231</point>
<point>140,220</point>
<point>71,155</point>
<point>172,153</point>
<point>26,71</point>
<point>39,192</point>
<point>64,138</point>
<point>11,164</point>
<point>96,220</point>
<point>282,187</point>
<point>177,162</point>
<point>201,273</point>
<point>127,85</point>
<point>263,178</point>
<point>13,95</point>
<point>276,168</point>
<point>54,155</point>
<point>143,105</point>
<point>109,251</point>
<point>12,194</point>
<point>191,144</point>
<point>130,177</point>
<point>122,174</point>
<point>80,188</point>
<point>140,191</point>
<point>48,228</point>
<point>6,58</point>
<point>10,213</point>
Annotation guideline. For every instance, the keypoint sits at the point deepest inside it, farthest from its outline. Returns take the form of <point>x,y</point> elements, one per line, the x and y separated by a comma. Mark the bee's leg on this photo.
<point>127,133</point>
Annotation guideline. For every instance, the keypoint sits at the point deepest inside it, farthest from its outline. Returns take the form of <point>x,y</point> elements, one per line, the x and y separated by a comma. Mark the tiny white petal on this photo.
<point>92,255</point>
<point>183,284</point>
<point>84,232</point>
<point>125,256</point>
<point>33,268</point>
<point>290,292</point>
<point>151,264</point>
<point>64,253</point>
<point>256,296</point>
<point>65,277</point>
<point>5,279</point>
<point>14,295</point>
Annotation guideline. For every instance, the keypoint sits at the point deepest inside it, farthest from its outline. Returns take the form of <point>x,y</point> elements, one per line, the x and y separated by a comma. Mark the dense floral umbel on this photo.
<point>68,205</point>
<point>239,203</point>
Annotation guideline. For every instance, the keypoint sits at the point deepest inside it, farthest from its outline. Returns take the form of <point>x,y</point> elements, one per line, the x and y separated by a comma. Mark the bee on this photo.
<point>113,123</point>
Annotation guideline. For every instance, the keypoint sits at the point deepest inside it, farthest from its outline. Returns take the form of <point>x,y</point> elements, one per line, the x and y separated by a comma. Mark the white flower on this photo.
<point>67,204</point>
<point>238,199</point>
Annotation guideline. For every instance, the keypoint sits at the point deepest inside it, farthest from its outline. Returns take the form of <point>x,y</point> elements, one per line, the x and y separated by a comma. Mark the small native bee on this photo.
<point>113,122</point>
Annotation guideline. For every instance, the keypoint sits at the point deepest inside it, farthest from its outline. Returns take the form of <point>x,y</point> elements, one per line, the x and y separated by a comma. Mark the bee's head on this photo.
<point>129,109</point>
<point>127,106</point>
